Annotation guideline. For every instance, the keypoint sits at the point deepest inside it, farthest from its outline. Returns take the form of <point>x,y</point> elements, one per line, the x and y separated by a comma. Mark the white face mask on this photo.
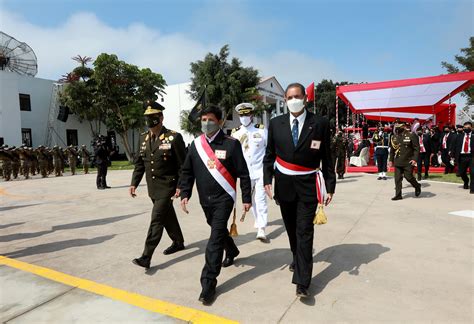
<point>295,105</point>
<point>245,120</point>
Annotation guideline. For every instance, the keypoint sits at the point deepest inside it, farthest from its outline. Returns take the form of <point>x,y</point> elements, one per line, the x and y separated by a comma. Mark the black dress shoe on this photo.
<point>207,295</point>
<point>292,267</point>
<point>107,187</point>
<point>142,262</point>
<point>418,178</point>
<point>301,291</point>
<point>379,178</point>
<point>418,191</point>
<point>100,188</point>
<point>397,198</point>
<point>384,178</point>
<point>229,259</point>
<point>466,186</point>
<point>175,247</point>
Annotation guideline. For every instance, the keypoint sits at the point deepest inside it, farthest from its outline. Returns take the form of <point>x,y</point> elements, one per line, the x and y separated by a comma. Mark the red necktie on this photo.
<point>466,144</point>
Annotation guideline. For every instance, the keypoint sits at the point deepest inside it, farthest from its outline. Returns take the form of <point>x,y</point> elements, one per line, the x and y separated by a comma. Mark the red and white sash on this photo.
<point>422,146</point>
<point>214,166</point>
<point>294,169</point>
<point>445,139</point>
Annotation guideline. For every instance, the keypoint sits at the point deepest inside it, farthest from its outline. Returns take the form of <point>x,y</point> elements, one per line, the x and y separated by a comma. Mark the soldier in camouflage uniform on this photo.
<point>25,161</point>
<point>85,155</point>
<point>404,151</point>
<point>33,161</point>
<point>63,159</point>
<point>6,159</point>
<point>57,158</point>
<point>71,156</point>
<point>42,161</point>
<point>16,164</point>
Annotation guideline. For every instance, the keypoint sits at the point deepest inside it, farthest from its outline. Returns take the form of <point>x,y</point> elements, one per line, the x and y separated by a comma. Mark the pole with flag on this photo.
<point>195,113</point>
<point>310,95</point>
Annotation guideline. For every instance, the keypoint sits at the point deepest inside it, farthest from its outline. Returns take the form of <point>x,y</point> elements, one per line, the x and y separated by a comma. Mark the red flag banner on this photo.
<point>310,92</point>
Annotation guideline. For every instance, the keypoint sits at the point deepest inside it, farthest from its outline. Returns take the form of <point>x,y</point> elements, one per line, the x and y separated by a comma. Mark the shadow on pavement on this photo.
<point>201,246</point>
<point>88,223</point>
<point>15,207</point>
<point>10,225</point>
<point>58,246</point>
<point>343,257</point>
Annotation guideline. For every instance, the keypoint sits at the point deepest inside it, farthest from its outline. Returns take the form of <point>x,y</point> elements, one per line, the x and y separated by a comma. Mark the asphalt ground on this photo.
<point>374,261</point>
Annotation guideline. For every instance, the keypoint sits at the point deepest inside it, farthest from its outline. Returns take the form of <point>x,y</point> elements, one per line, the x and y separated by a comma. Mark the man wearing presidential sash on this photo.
<point>160,156</point>
<point>215,161</point>
<point>298,155</point>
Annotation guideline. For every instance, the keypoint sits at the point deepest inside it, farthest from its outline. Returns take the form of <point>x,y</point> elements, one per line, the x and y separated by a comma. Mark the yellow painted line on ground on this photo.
<point>150,304</point>
<point>3,192</point>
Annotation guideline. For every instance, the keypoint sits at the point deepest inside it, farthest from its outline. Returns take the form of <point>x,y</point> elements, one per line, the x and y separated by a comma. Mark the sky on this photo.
<point>295,41</point>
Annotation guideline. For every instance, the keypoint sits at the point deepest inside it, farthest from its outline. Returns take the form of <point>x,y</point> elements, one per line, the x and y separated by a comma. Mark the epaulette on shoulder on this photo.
<point>259,126</point>
<point>235,129</point>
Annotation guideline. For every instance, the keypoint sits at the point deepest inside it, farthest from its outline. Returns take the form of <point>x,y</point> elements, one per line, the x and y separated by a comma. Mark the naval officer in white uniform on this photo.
<point>253,138</point>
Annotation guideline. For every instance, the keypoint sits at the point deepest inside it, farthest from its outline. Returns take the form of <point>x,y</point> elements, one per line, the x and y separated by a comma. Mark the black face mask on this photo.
<point>467,130</point>
<point>152,121</point>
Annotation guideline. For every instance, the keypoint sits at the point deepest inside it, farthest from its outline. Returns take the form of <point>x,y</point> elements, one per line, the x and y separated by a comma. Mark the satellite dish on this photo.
<point>16,56</point>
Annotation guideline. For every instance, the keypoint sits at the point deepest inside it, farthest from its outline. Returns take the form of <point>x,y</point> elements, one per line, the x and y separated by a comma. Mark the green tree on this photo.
<point>325,93</point>
<point>227,83</point>
<point>465,62</point>
<point>121,89</point>
<point>79,94</point>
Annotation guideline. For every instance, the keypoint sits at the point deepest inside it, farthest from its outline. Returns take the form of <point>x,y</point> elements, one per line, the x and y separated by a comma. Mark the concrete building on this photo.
<point>29,110</point>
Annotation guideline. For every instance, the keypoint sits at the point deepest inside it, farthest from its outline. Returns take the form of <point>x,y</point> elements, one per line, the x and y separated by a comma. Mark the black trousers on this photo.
<point>217,217</point>
<point>163,215</point>
<point>341,163</point>
<point>447,161</point>
<point>407,172</point>
<point>101,174</point>
<point>298,218</point>
<point>381,156</point>
<point>423,159</point>
<point>466,161</point>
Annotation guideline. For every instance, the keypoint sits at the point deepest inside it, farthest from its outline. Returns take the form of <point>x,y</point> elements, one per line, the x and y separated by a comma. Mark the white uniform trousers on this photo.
<point>259,203</point>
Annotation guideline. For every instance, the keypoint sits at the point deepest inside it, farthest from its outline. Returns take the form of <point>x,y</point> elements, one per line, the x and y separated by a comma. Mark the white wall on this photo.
<point>10,119</point>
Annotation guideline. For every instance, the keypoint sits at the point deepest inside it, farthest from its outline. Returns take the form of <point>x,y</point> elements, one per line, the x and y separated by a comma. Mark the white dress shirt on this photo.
<point>301,118</point>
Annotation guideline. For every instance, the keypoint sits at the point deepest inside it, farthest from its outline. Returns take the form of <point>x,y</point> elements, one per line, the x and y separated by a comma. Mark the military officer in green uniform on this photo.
<point>16,164</point>
<point>340,148</point>
<point>404,151</point>
<point>71,156</point>
<point>6,159</point>
<point>85,155</point>
<point>42,161</point>
<point>161,155</point>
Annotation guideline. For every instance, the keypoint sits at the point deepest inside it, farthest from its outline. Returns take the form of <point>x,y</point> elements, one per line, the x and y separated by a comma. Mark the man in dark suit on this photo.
<point>425,153</point>
<point>298,143</point>
<point>161,154</point>
<point>447,148</point>
<point>464,150</point>
<point>102,153</point>
<point>215,161</point>
<point>435,140</point>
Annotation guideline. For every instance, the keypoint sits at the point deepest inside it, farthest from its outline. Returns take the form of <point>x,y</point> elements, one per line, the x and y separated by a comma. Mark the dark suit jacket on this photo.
<point>210,191</point>
<point>101,153</point>
<point>161,161</point>
<point>449,143</point>
<point>458,145</point>
<point>280,143</point>
<point>426,143</point>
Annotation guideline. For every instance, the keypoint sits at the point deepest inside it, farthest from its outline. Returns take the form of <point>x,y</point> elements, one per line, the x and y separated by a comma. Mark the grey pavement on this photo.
<point>375,260</point>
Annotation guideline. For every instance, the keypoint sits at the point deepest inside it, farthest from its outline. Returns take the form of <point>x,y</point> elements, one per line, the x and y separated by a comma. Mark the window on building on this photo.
<point>25,102</point>
<point>26,136</point>
<point>71,137</point>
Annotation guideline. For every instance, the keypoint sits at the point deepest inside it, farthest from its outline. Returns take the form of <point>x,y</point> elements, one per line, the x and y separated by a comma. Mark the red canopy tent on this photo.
<point>417,97</point>
<point>421,98</point>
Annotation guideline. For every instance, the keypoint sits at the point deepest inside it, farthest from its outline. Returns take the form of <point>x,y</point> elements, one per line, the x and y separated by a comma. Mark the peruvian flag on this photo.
<point>310,92</point>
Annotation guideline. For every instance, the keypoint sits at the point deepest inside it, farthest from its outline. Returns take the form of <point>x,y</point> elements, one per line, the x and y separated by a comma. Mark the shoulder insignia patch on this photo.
<point>235,129</point>
<point>259,126</point>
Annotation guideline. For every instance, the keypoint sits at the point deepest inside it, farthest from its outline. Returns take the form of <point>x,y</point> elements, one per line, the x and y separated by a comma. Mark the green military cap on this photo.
<point>244,108</point>
<point>152,107</point>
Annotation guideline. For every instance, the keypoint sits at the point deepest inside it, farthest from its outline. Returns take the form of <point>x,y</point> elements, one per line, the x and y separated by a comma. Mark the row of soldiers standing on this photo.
<point>25,161</point>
